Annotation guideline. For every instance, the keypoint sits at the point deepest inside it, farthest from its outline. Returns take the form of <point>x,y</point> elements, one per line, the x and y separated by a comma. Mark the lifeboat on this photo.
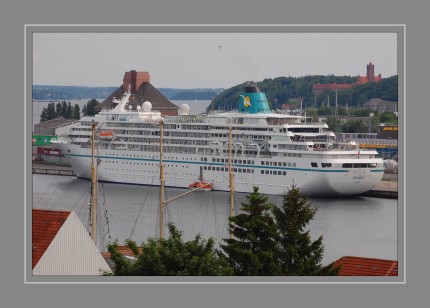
<point>106,135</point>
<point>201,185</point>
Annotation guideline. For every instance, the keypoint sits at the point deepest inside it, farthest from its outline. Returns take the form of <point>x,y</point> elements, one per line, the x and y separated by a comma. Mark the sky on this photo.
<point>206,60</point>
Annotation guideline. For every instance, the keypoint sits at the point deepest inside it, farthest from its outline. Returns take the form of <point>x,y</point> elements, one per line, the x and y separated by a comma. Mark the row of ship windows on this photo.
<point>222,161</point>
<point>251,162</point>
<point>347,165</point>
<point>143,164</point>
<point>290,147</point>
<point>140,171</point>
<point>323,165</point>
<point>277,164</point>
<point>273,172</point>
<point>152,157</point>
<point>225,169</point>
<point>235,161</point>
<point>213,168</point>
<point>360,165</point>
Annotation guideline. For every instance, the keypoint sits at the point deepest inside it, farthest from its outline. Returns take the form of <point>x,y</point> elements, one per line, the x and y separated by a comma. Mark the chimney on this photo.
<point>141,78</point>
<point>135,80</point>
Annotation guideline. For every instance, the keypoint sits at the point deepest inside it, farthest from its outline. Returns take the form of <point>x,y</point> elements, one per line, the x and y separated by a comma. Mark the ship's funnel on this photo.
<point>252,100</point>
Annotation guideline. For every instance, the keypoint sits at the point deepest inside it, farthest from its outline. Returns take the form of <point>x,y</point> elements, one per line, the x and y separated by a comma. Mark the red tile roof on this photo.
<point>359,266</point>
<point>147,92</point>
<point>124,250</point>
<point>362,80</point>
<point>45,226</point>
<point>365,79</point>
<point>333,86</point>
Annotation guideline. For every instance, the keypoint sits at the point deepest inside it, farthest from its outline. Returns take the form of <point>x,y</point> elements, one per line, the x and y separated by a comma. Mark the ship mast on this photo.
<point>93,186</point>
<point>162,203</point>
<point>231,175</point>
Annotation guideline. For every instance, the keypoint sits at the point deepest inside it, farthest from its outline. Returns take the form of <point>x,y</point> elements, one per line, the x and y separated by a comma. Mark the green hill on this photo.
<point>292,90</point>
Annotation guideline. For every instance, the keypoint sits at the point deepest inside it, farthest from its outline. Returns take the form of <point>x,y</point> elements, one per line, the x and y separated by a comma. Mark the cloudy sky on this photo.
<point>206,60</point>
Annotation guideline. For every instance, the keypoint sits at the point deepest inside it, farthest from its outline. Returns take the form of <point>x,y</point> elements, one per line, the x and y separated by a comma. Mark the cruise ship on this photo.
<point>271,150</point>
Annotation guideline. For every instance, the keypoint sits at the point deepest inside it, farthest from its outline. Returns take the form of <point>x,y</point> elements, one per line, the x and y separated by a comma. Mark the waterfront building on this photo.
<point>379,105</point>
<point>49,127</point>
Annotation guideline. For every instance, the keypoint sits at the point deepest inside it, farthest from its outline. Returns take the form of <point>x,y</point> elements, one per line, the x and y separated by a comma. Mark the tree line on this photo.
<point>66,110</point>
<point>267,240</point>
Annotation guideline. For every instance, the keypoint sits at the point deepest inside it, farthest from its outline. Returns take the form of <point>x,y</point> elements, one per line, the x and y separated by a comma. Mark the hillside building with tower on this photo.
<point>370,76</point>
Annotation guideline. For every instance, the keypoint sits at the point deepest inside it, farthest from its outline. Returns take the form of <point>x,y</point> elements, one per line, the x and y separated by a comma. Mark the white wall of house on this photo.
<point>71,252</point>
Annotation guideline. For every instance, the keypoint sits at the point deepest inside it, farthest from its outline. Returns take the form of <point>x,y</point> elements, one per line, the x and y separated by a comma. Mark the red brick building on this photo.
<point>142,90</point>
<point>370,76</point>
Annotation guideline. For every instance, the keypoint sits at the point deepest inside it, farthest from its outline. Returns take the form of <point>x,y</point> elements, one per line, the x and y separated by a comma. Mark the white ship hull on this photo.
<point>135,167</point>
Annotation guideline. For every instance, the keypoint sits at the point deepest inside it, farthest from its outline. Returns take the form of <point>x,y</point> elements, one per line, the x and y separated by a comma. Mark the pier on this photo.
<point>52,169</point>
<point>384,189</point>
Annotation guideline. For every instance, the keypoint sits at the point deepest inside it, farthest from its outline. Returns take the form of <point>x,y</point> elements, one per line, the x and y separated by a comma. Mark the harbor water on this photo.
<point>357,226</point>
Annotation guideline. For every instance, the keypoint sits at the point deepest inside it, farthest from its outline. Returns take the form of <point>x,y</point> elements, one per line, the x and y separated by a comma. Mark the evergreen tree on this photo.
<point>296,253</point>
<point>77,112</point>
<point>251,249</point>
<point>69,111</point>
<point>59,109</point>
<point>63,109</point>
<point>91,107</point>
<point>48,113</point>
<point>171,257</point>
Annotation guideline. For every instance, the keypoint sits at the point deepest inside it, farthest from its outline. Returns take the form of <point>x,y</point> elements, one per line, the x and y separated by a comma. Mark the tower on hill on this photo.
<point>370,76</point>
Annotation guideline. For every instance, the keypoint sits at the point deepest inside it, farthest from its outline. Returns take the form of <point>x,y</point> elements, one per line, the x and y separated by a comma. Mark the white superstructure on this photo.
<point>270,150</point>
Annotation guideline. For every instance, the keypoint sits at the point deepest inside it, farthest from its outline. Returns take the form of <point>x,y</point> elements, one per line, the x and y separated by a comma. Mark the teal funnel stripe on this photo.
<point>253,103</point>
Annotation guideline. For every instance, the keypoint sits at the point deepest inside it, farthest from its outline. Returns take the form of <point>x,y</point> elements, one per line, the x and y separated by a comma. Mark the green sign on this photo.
<point>41,140</point>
